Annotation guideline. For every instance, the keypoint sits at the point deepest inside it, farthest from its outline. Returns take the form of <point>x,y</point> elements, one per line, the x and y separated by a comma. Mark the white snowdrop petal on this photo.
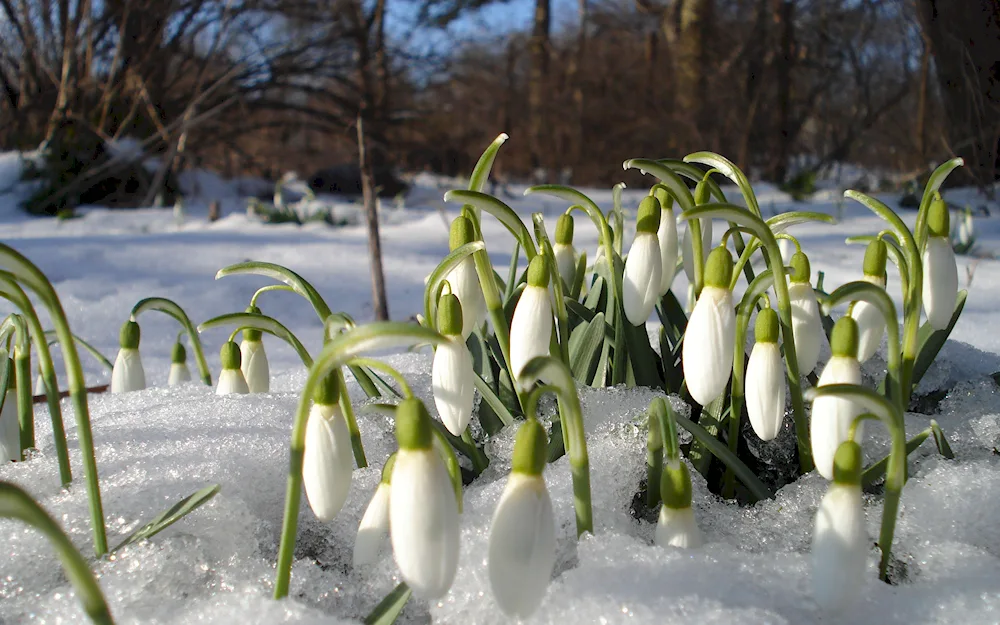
<point>765,390</point>
<point>678,528</point>
<point>464,282</point>
<point>642,277</point>
<point>39,385</point>
<point>522,545</point>
<point>253,364</point>
<point>531,327</point>
<point>688,251</point>
<point>839,547</point>
<point>830,422</point>
<point>871,329</point>
<point>707,354</point>
<point>667,237</point>
<point>232,381</point>
<point>565,262</point>
<point>328,461</point>
<point>179,374</point>
<point>807,326</point>
<point>10,430</point>
<point>453,385</point>
<point>127,374</point>
<point>374,527</point>
<point>940,287</point>
<point>423,522</point>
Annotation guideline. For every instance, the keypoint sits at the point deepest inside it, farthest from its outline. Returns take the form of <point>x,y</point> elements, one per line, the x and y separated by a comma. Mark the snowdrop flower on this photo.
<point>643,266</point>
<point>840,538</point>
<point>707,354</point>
<point>423,512</point>
<point>676,526</point>
<point>464,280</point>
<point>565,253</point>
<point>787,249</point>
<point>871,323</point>
<point>832,417</point>
<point>10,429</point>
<point>452,377</point>
<point>179,372</point>
<point>375,522</point>
<point>231,379</point>
<point>765,379</point>
<point>127,374</point>
<point>253,360</point>
<point>940,287</point>
<point>687,248</point>
<point>807,327</point>
<point>666,234</point>
<point>522,547</point>
<point>328,461</point>
<point>531,326</point>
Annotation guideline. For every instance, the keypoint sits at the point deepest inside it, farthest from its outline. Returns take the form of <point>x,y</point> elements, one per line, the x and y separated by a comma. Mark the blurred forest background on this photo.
<point>258,87</point>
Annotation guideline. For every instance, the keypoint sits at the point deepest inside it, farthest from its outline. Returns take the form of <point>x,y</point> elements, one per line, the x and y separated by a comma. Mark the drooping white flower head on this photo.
<point>840,538</point>
<point>807,326</point>
<point>531,326</point>
<point>666,234</point>
<point>565,253</point>
<point>10,429</point>
<point>253,359</point>
<point>765,378</point>
<point>127,374</point>
<point>179,372</point>
<point>643,266</point>
<point>871,323</point>
<point>676,526</point>
<point>707,354</point>
<point>328,461</point>
<point>423,511</point>
<point>452,375</point>
<point>375,523</point>
<point>231,379</point>
<point>522,546</point>
<point>831,419</point>
<point>940,286</point>
<point>464,280</point>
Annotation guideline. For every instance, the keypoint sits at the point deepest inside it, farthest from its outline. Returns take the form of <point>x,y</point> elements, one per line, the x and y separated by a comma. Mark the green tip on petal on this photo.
<point>719,268</point>
<point>766,327</point>
<point>328,391</point>
<point>801,271</point>
<point>648,219</point>
<point>230,355</point>
<point>938,219</point>
<point>539,271</point>
<point>675,486</point>
<point>844,338</point>
<point>413,425</point>
<point>449,315</point>
<point>875,258</point>
<point>179,355</point>
<point>387,468</point>
<point>847,464</point>
<point>564,229</point>
<point>462,232</point>
<point>128,337</point>
<point>530,449</point>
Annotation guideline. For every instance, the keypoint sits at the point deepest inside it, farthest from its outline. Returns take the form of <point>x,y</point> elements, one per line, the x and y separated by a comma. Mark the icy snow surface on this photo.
<point>217,565</point>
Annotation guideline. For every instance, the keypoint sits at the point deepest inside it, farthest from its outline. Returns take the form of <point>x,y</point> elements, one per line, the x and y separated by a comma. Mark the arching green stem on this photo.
<point>386,368</point>
<point>170,308</point>
<point>501,211</point>
<point>297,283</point>
<point>263,323</point>
<point>852,433</point>
<point>440,275</point>
<point>374,336</point>
<point>27,274</point>
<point>728,169</point>
<point>267,289</point>
<point>895,253</point>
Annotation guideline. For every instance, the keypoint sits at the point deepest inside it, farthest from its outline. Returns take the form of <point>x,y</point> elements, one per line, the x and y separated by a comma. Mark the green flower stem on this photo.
<point>757,289</point>
<point>852,432</point>
<point>15,503</point>
<point>892,418</point>
<point>11,291</point>
<point>172,309</point>
<point>728,169</point>
<point>263,323</point>
<point>360,460</point>
<point>52,337</point>
<point>619,217</point>
<point>29,275</point>
<point>15,323</point>
<point>562,318</point>
<point>479,459</point>
<point>501,211</point>
<point>374,336</point>
<point>267,289</point>
<point>862,291</point>
<point>294,281</point>
<point>574,435</point>
<point>654,460</point>
<point>386,368</point>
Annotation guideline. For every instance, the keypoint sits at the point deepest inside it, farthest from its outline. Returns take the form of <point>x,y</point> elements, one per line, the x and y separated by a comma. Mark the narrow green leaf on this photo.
<point>696,174</point>
<point>501,211</point>
<point>512,272</point>
<point>282,274</point>
<point>728,169</point>
<point>481,173</point>
<point>780,223</point>
<point>876,471</point>
<point>494,401</point>
<point>743,473</point>
<point>930,341</point>
<point>51,337</point>
<point>264,324</point>
<point>388,610</point>
<point>579,276</point>
<point>171,515</point>
<point>710,420</point>
<point>941,442</point>
<point>585,347</point>
<point>667,176</point>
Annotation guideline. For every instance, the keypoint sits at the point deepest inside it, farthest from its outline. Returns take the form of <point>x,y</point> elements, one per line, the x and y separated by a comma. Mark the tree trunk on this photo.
<point>784,15</point>
<point>965,41</point>
<point>691,66</point>
<point>538,83</point>
<point>921,131</point>
<point>380,305</point>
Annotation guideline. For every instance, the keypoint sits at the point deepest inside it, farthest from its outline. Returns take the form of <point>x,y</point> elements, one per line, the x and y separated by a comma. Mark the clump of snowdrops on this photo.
<point>557,321</point>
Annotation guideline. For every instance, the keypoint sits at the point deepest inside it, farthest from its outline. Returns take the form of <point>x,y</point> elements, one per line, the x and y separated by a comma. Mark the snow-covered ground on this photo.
<point>217,565</point>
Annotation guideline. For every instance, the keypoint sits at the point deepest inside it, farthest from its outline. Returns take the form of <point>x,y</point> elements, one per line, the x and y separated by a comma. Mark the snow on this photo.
<point>217,565</point>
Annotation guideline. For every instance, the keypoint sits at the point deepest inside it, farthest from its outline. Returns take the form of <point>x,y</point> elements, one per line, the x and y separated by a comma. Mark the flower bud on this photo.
<point>643,274</point>
<point>127,374</point>
<point>676,526</point>
<point>807,325</point>
<point>464,280</point>
<point>707,353</point>
<point>531,326</point>
<point>231,378</point>
<point>765,379</point>
<point>179,372</point>
<point>831,419</point>
<point>940,285</point>
<point>328,461</point>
